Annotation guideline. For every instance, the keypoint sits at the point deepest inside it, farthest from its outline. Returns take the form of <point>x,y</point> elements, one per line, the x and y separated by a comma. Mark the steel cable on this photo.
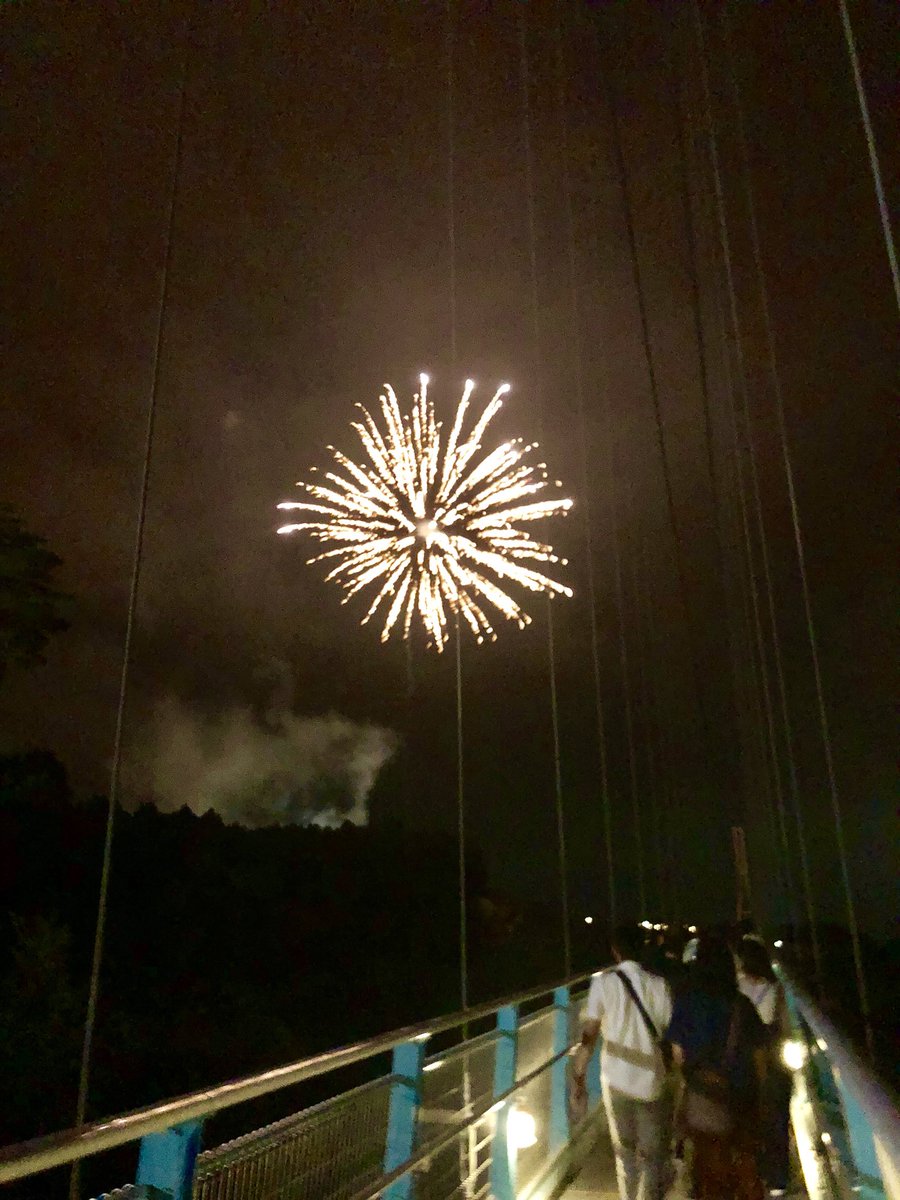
<point>137,563</point>
<point>778,395</point>
<point>537,334</point>
<point>575,311</point>
<point>766,709</point>
<point>883,211</point>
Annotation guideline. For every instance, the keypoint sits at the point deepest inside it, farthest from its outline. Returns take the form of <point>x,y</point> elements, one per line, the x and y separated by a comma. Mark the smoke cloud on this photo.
<point>280,770</point>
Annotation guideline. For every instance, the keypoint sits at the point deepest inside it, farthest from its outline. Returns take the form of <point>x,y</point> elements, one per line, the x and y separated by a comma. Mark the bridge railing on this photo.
<point>486,1116</point>
<point>847,1123</point>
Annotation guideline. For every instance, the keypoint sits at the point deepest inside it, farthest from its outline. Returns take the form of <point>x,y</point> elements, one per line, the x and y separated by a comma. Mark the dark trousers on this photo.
<point>775,1156</point>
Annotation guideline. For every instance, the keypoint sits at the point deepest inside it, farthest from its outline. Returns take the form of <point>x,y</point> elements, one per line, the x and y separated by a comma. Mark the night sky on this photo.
<point>310,263</point>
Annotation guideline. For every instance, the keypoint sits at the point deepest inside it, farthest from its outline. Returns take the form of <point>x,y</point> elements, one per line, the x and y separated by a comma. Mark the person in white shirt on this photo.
<point>757,981</point>
<point>632,1069</point>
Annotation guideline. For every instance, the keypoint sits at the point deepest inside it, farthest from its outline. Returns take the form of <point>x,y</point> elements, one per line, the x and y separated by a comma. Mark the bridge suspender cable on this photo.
<point>90,1021</point>
<point>883,210</point>
<point>649,711</point>
<point>587,524</point>
<point>536,331</point>
<point>615,516</point>
<point>637,277</point>
<point>747,684</point>
<point>615,477</point>
<point>767,733</point>
<point>684,184</point>
<point>778,395</point>
<point>758,664</point>
<point>451,257</point>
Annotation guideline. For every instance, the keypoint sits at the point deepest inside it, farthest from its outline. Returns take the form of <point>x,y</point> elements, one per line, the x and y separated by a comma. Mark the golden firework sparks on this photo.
<point>432,524</point>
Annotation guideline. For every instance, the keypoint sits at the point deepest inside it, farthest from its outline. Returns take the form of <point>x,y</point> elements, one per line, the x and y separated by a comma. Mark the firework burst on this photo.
<point>432,524</point>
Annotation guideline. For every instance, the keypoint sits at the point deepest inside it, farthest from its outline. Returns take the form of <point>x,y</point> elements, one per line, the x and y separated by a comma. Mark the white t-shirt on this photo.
<point>630,1061</point>
<point>764,995</point>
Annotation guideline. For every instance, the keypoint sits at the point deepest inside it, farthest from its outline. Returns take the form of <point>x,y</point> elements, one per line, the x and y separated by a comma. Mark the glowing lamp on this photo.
<point>588,920</point>
<point>793,1054</point>
<point>521,1129</point>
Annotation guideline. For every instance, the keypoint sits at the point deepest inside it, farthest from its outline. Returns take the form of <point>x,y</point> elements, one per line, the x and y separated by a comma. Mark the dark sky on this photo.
<point>310,263</point>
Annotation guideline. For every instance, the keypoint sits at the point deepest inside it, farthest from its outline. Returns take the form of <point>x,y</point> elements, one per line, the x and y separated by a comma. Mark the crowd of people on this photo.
<point>690,1066</point>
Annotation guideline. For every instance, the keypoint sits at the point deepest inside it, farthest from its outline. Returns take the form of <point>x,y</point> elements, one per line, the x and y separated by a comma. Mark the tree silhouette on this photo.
<point>30,605</point>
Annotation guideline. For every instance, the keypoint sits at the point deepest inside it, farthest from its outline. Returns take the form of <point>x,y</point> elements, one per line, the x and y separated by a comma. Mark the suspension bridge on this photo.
<point>467,1106</point>
<point>474,1104</point>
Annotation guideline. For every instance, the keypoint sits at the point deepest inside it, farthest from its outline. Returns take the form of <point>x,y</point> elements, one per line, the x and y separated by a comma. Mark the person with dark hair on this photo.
<point>757,982</point>
<point>719,1042</point>
<point>631,1007</point>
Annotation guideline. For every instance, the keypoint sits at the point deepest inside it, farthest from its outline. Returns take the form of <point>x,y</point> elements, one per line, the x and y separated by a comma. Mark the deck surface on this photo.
<point>597,1178</point>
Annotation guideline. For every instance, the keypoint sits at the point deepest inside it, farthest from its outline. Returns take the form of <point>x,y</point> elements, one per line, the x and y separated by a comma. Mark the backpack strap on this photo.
<point>629,987</point>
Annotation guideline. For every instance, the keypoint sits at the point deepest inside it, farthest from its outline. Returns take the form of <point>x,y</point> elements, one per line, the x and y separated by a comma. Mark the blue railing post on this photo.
<point>594,1087</point>
<point>559,1072</point>
<point>166,1160</point>
<point>503,1160</point>
<point>403,1114</point>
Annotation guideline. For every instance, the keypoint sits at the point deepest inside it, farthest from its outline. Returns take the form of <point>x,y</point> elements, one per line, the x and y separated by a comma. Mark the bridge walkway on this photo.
<point>471,1106</point>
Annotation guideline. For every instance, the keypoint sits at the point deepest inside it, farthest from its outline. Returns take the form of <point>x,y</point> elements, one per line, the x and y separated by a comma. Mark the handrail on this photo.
<point>879,1107</point>
<point>57,1149</point>
<point>434,1145</point>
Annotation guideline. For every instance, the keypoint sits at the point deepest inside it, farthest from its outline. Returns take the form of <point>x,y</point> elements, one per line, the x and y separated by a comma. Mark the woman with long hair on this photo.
<point>719,1042</point>
<point>757,982</point>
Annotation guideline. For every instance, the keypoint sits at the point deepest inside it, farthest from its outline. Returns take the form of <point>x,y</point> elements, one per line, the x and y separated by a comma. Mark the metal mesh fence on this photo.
<point>326,1153</point>
<point>535,1042</point>
<point>455,1085</point>
<point>461,1169</point>
<point>534,1099</point>
<point>336,1150</point>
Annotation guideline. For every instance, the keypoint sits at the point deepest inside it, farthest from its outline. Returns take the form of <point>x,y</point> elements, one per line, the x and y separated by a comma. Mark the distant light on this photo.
<point>826,1138</point>
<point>588,920</point>
<point>433,1066</point>
<point>822,1044</point>
<point>521,1129</point>
<point>793,1054</point>
<point>778,944</point>
<point>646,924</point>
<point>692,928</point>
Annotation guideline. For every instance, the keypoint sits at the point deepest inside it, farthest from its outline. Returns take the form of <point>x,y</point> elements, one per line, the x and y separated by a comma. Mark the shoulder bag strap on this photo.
<point>629,987</point>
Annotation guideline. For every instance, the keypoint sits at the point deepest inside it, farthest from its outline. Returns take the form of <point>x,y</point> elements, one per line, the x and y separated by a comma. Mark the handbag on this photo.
<point>706,1101</point>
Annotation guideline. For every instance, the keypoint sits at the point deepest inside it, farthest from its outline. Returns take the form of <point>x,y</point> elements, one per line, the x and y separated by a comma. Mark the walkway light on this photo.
<point>521,1129</point>
<point>793,1054</point>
